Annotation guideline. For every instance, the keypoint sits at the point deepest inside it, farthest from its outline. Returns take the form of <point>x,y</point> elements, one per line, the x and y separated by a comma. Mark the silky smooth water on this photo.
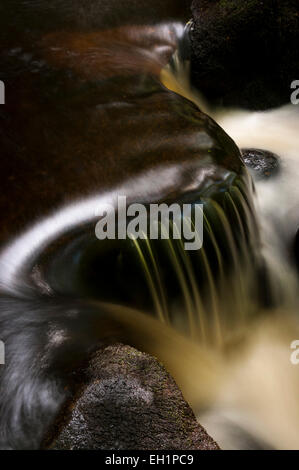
<point>228,350</point>
<point>257,405</point>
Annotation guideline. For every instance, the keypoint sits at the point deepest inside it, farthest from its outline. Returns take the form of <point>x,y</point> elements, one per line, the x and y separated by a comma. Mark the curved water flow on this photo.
<point>222,318</point>
<point>258,405</point>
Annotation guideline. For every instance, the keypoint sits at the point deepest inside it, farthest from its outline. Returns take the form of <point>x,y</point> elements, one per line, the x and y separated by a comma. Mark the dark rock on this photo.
<point>128,402</point>
<point>262,162</point>
<point>94,14</point>
<point>245,52</point>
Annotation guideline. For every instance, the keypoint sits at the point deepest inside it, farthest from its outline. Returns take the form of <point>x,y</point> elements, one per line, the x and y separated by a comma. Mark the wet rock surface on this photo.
<point>245,52</point>
<point>128,402</point>
<point>262,163</point>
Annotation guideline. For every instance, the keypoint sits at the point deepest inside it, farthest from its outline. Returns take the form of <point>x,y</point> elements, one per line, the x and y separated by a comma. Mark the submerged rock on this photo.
<point>128,401</point>
<point>245,52</point>
<point>262,162</point>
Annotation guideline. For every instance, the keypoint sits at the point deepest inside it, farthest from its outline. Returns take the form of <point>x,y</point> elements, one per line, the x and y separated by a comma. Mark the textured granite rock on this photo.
<point>128,402</point>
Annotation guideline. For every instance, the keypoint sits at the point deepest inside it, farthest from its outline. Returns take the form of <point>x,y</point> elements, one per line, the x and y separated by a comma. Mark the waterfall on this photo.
<point>257,405</point>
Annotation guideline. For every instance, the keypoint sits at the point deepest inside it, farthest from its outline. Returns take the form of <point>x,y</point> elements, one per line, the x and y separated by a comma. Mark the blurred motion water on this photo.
<point>258,407</point>
<point>83,84</point>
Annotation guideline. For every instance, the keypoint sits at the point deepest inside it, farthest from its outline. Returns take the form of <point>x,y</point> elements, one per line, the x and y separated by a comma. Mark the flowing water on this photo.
<point>257,405</point>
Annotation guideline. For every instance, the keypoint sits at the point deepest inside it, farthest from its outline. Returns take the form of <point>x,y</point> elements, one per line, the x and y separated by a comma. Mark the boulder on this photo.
<point>262,163</point>
<point>128,401</point>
